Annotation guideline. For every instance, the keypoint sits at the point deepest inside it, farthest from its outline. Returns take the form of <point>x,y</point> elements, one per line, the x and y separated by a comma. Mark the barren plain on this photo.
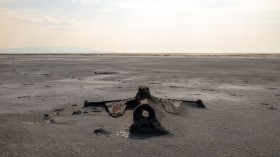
<point>39,93</point>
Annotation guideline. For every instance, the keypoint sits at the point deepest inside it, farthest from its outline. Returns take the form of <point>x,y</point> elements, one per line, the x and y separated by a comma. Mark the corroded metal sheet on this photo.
<point>171,106</point>
<point>116,108</point>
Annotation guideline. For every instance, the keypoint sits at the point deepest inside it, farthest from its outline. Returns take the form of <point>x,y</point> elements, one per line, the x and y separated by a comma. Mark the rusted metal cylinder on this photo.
<point>140,118</point>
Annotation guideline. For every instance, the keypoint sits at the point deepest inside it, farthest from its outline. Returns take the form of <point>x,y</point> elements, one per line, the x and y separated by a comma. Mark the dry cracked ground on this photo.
<point>40,93</point>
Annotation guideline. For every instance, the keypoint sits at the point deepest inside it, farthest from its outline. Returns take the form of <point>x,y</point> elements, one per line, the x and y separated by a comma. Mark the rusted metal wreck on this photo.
<point>144,106</point>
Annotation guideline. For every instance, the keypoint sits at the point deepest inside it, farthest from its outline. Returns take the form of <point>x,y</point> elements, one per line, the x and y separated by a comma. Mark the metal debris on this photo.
<point>143,104</point>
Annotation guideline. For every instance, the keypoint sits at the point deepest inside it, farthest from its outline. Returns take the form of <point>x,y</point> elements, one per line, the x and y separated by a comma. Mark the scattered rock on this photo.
<point>47,86</point>
<point>265,104</point>
<point>77,112</point>
<point>101,131</point>
<point>46,116</point>
<point>75,105</point>
<point>85,111</point>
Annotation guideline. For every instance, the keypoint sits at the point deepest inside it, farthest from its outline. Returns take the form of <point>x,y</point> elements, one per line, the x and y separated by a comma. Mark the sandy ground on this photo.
<point>241,94</point>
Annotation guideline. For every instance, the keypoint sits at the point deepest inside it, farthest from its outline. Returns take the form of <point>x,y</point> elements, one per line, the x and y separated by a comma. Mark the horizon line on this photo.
<point>145,53</point>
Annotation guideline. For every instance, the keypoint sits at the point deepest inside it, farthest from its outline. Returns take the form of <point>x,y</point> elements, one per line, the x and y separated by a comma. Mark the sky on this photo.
<point>205,26</point>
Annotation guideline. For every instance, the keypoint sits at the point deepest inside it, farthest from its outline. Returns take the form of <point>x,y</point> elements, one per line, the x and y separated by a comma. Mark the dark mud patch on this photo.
<point>47,75</point>
<point>155,83</point>
<point>28,96</point>
<point>271,88</point>
<point>51,121</point>
<point>102,131</point>
<point>205,89</point>
<point>104,73</point>
<point>78,112</point>
<point>71,77</point>
<point>272,108</point>
<point>265,104</point>
<point>235,95</point>
<point>59,109</point>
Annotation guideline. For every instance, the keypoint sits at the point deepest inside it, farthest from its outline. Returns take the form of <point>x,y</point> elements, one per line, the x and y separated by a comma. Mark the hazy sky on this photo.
<point>143,25</point>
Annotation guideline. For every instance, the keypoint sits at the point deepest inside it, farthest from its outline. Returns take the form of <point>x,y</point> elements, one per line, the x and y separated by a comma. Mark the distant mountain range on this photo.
<point>44,50</point>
